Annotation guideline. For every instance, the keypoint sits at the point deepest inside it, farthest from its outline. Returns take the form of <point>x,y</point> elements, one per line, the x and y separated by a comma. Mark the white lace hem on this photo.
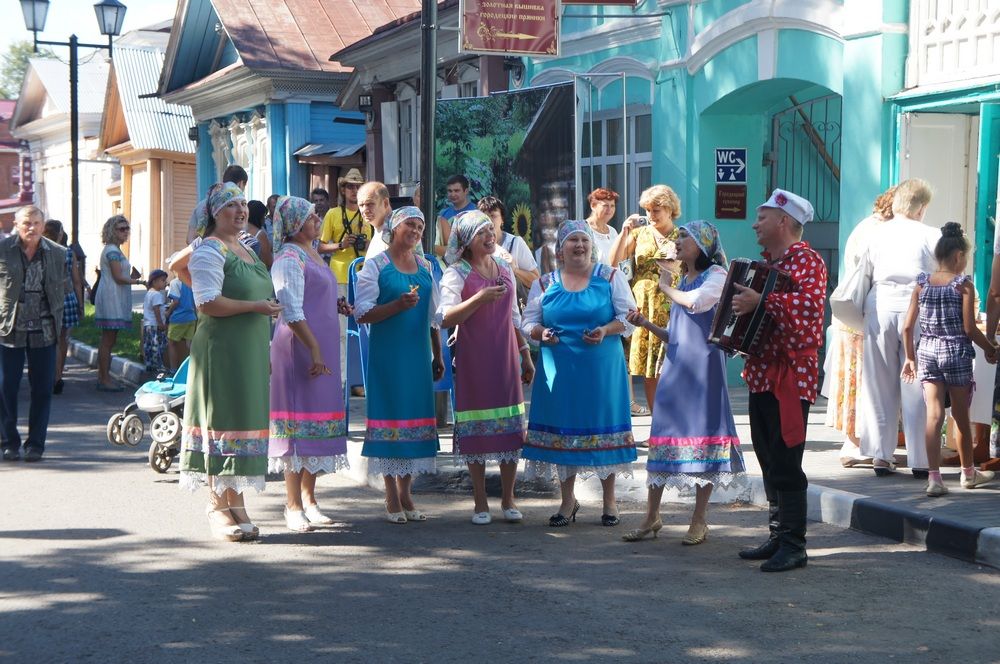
<point>401,467</point>
<point>729,487</point>
<point>313,464</point>
<point>548,471</point>
<point>512,456</point>
<point>221,483</point>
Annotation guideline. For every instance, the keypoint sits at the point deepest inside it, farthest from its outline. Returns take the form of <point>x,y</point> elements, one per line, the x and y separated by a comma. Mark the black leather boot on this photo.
<point>770,547</point>
<point>791,552</point>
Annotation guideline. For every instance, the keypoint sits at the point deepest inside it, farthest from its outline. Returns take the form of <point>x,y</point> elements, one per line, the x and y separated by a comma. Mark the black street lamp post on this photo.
<point>110,16</point>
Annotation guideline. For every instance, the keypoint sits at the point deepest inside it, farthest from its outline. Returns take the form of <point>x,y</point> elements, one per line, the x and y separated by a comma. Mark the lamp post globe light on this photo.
<point>110,16</point>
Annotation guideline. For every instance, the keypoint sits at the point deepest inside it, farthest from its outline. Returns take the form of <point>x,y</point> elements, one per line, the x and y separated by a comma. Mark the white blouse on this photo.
<point>206,267</point>
<point>366,291</point>
<point>621,299</point>
<point>289,276</point>
<point>709,293</point>
<point>452,284</point>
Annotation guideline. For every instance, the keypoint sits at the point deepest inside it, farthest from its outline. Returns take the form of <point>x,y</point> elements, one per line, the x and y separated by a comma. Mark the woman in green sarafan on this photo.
<point>226,409</point>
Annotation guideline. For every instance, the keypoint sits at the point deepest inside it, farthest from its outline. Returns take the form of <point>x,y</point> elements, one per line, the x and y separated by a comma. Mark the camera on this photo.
<point>360,242</point>
<point>641,221</point>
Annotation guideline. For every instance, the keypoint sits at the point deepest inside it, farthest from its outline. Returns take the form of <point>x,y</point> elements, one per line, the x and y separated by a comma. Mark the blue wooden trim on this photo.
<point>204,166</point>
<point>275,113</point>
<point>297,131</point>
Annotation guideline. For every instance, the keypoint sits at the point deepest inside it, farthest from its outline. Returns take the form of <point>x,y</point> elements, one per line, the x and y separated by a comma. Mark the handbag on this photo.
<point>847,302</point>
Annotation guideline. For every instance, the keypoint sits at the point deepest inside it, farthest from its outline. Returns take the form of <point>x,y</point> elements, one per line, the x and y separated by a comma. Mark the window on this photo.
<point>602,150</point>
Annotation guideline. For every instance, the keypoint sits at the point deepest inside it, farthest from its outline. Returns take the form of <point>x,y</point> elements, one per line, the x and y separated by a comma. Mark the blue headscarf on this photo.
<point>465,227</point>
<point>706,236</point>
<point>572,227</point>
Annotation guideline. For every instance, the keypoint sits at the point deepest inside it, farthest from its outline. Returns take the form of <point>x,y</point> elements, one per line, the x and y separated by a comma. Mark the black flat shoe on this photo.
<point>560,521</point>
<point>31,455</point>
<point>58,387</point>
<point>610,520</point>
<point>920,473</point>
<point>11,454</point>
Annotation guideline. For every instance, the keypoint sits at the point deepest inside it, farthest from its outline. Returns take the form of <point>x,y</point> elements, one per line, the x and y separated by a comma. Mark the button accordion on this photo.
<point>746,334</point>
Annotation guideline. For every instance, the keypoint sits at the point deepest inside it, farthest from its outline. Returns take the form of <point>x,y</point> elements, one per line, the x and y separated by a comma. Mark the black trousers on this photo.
<point>780,465</point>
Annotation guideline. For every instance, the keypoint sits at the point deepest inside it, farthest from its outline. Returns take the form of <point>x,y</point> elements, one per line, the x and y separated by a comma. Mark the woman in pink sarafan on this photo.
<point>308,427</point>
<point>693,443</point>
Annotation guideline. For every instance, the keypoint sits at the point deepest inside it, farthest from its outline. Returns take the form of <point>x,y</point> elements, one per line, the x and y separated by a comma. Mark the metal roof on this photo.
<point>92,79</point>
<point>152,123</point>
<point>330,149</point>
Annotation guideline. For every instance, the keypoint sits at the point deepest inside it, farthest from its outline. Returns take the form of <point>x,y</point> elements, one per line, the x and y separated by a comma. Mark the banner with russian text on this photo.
<point>521,27</point>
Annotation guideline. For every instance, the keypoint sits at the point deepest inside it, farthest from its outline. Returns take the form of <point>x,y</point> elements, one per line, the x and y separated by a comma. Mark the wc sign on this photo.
<point>730,165</point>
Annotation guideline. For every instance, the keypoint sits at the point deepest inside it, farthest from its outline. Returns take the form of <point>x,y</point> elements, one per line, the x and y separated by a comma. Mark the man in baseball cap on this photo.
<point>783,379</point>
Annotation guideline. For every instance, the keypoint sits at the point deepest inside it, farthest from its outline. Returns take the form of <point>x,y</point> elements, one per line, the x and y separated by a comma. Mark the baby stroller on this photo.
<point>163,402</point>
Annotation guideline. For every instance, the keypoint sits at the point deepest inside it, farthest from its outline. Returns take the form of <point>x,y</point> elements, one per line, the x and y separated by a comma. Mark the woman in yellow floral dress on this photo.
<point>651,246</point>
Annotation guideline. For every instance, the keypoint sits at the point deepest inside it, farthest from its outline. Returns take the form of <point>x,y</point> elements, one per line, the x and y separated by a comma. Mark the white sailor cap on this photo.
<point>791,204</point>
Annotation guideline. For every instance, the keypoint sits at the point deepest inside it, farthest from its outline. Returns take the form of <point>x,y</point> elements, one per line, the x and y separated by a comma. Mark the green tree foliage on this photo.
<point>14,63</point>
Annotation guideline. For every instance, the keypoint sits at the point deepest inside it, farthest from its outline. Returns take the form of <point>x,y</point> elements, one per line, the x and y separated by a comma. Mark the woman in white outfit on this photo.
<point>898,250</point>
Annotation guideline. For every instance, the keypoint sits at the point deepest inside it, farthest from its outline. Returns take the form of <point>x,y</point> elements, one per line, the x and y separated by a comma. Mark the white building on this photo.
<point>42,118</point>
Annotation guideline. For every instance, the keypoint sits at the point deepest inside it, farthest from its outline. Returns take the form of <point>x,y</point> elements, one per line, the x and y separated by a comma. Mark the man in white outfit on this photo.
<point>898,250</point>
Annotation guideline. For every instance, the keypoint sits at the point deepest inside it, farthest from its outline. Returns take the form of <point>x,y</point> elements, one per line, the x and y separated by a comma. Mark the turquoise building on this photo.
<point>832,100</point>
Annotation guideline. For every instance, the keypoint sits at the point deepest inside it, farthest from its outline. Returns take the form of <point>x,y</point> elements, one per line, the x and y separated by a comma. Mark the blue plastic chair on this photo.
<point>357,343</point>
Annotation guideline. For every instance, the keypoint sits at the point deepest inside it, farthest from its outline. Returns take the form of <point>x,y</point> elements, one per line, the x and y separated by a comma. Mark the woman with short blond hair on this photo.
<point>650,242</point>
<point>113,299</point>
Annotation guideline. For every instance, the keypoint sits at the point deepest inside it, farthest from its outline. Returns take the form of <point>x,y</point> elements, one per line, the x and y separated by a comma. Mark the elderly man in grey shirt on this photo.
<point>32,288</point>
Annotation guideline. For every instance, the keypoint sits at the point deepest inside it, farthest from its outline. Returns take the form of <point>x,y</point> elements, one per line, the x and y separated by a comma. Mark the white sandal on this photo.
<point>395,517</point>
<point>296,521</point>
<point>315,516</point>
<point>414,515</point>
<point>482,518</point>
<point>512,515</point>
<point>223,531</point>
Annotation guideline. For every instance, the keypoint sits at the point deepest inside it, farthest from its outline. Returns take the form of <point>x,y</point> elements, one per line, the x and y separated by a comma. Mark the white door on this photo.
<point>939,147</point>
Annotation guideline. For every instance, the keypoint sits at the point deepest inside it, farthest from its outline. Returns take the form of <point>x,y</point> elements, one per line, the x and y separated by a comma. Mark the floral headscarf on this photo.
<point>219,194</point>
<point>397,217</point>
<point>572,227</point>
<point>290,214</point>
<point>706,236</point>
<point>463,229</point>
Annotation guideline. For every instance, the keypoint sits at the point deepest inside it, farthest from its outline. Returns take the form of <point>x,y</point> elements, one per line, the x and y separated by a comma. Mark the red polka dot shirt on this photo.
<point>798,317</point>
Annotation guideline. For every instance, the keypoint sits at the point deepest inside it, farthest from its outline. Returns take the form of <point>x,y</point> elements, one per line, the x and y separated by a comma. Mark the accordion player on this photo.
<point>745,334</point>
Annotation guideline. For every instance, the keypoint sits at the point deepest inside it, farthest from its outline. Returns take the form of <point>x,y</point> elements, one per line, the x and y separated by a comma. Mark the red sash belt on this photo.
<point>785,380</point>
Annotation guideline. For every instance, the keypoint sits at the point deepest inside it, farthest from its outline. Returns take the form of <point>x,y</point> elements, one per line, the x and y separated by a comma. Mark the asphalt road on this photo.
<point>103,560</point>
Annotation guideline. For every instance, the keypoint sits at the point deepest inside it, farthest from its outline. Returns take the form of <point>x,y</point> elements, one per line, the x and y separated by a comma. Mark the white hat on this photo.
<point>791,204</point>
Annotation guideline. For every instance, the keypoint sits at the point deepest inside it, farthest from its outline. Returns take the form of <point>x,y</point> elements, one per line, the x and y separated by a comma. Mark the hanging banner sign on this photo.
<point>523,27</point>
<point>614,3</point>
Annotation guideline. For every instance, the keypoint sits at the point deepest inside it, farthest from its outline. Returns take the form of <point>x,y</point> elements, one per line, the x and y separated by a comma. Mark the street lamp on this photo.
<point>110,16</point>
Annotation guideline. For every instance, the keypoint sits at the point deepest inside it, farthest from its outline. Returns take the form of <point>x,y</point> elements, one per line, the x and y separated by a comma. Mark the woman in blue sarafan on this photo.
<point>577,313</point>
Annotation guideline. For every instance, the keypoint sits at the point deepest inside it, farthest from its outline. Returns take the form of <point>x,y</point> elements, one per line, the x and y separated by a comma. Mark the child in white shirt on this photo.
<point>154,322</point>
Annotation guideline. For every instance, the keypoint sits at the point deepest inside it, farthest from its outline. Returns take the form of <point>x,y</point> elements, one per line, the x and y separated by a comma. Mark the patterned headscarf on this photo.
<point>397,217</point>
<point>465,227</point>
<point>222,194</point>
<point>706,236</point>
<point>572,227</point>
<point>290,214</point>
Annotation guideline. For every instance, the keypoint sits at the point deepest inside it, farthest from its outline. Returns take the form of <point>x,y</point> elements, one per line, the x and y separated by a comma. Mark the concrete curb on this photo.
<point>122,369</point>
<point>901,524</point>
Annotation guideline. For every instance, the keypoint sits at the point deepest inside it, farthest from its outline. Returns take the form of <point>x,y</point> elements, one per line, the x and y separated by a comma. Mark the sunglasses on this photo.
<point>124,228</point>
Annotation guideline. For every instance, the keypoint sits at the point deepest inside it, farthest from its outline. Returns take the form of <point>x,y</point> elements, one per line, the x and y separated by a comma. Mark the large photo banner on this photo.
<point>517,146</point>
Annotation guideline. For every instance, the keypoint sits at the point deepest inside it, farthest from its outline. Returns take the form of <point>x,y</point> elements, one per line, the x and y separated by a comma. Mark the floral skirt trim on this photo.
<point>544,470</point>
<point>489,427</point>
<point>393,430</point>
<point>693,450</point>
<point>512,456</point>
<point>401,467</point>
<point>214,442</point>
<point>311,464</point>
<point>192,481</point>
<point>295,425</point>
<point>578,441</point>
<point>729,487</point>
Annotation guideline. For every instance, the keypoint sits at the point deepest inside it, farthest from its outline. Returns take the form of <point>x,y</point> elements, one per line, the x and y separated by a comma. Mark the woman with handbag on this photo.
<point>491,359</point>
<point>842,369</point>
<point>899,249</point>
<point>646,240</point>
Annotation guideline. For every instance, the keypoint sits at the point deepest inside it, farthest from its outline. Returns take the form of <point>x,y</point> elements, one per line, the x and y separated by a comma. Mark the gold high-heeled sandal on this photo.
<point>640,533</point>
<point>696,534</point>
